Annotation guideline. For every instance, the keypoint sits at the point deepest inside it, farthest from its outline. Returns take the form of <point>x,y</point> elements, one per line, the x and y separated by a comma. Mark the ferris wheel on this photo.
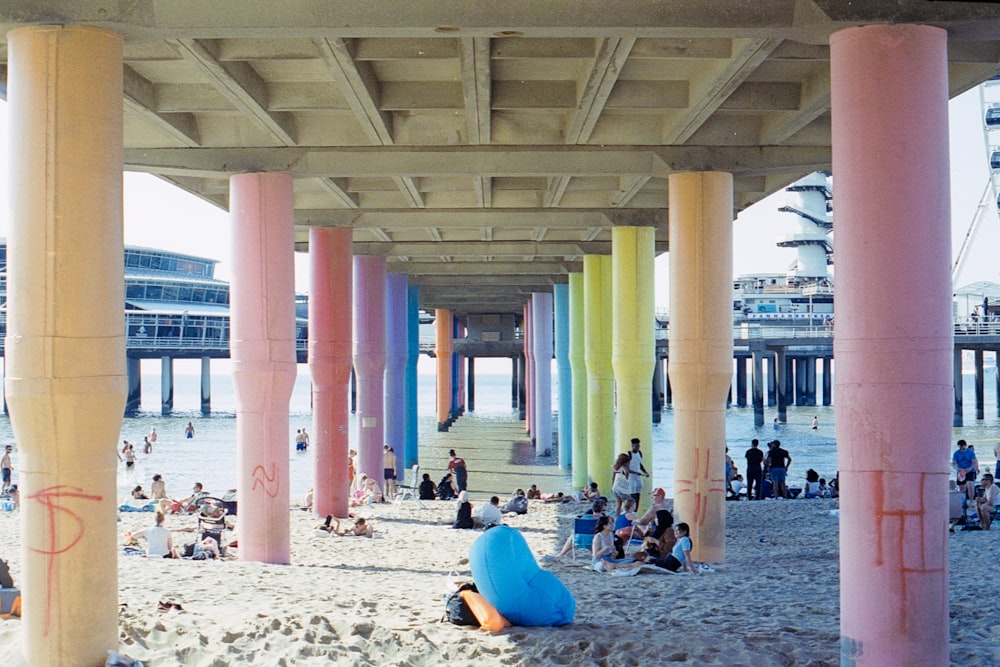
<point>989,202</point>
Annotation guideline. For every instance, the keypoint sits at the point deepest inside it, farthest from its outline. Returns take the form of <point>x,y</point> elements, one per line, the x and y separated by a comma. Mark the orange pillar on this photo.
<point>65,346</point>
<point>330,361</point>
<point>894,355</point>
<point>262,347</point>
<point>443,347</point>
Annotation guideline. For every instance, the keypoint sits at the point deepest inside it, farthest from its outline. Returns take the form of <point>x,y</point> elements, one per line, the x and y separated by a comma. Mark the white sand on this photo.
<point>358,601</point>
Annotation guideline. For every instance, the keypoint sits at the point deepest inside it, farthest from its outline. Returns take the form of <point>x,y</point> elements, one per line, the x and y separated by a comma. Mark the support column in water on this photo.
<point>600,372</point>
<point>565,427</point>
<point>701,351</point>
<point>977,356</point>
<point>262,307</point>
<point>828,382</point>
<point>758,387</point>
<point>166,385</point>
<point>206,386</point>
<point>578,367</point>
<point>781,383</point>
<point>741,382</point>
<point>957,385</point>
<point>369,361</point>
<point>65,346</point>
<point>133,367</point>
<point>442,351</point>
<point>658,391</point>
<point>470,384</point>
<point>330,362</point>
<point>894,375</point>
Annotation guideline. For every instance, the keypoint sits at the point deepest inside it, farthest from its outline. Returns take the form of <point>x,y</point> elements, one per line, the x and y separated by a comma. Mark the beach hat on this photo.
<point>658,492</point>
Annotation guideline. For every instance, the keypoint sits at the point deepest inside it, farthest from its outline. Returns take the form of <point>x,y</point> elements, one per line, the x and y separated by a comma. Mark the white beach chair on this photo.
<point>410,491</point>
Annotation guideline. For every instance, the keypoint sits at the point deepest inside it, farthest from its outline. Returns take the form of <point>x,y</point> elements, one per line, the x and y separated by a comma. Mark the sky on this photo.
<point>159,215</point>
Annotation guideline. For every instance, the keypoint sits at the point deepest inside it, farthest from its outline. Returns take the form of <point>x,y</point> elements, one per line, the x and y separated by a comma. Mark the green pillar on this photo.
<point>578,366</point>
<point>600,374</point>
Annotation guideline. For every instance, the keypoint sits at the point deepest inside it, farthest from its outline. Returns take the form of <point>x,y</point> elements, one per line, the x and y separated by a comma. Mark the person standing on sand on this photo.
<point>778,462</point>
<point>389,462</point>
<point>963,460</point>
<point>189,431</point>
<point>6,468</point>
<point>457,466</point>
<point>636,472</point>
<point>755,470</point>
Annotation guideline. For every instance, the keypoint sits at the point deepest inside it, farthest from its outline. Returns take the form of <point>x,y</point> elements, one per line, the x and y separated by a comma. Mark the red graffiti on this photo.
<point>702,485</point>
<point>268,482</point>
<point>48,497</point>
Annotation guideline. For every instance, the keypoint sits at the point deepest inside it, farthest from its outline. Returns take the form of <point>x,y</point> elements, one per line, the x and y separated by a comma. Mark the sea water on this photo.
<point>210,457</point>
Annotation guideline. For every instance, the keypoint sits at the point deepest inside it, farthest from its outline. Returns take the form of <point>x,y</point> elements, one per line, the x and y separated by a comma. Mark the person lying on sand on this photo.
<point>361,527</point>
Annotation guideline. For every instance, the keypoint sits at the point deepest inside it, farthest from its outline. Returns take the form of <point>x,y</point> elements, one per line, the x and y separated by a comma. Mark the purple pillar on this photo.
<point>369,361</point>
<point>541,341</point>
<point>262,304</point>
<point>889,92</point>
<point>396,352</point>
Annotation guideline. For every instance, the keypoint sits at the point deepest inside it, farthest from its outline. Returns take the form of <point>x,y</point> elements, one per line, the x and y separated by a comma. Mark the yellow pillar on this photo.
<point>600,374</point>
<point>634,347</point>
<point>65,342</point>
<point>578,364</point>
<point>701,351</point>
<point>442,348</point>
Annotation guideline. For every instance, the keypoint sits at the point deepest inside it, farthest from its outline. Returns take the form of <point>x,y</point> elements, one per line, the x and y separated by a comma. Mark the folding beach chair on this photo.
<point>583,533</point>
<point>212,514</point>
<point>410,491</point>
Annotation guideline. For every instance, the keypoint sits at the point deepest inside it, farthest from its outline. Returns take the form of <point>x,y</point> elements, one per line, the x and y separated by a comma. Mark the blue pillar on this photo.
<point>565,371</point>
<point>410,448</point>
<point>456,375</point>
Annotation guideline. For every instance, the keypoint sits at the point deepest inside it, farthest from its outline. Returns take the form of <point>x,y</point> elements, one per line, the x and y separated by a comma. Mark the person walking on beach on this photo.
<point>189,431</point>
<point>963,460</point>
<point>636,471</point>
<point>457,466</point>
<point>755,470</point>
<point>6,468</point>
<point>778,461</point>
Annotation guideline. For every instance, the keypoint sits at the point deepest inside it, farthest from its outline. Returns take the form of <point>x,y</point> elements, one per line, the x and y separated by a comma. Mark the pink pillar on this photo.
<point>889,86</point>
<point>369,361</point>
<point>262,307</point>
<point>330,365</point>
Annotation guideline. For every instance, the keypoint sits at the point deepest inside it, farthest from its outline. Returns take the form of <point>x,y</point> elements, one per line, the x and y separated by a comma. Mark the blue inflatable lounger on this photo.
<point>507,575</point>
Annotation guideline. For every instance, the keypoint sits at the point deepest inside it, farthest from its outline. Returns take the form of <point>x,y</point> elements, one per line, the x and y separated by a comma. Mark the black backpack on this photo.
<point>457,611</point>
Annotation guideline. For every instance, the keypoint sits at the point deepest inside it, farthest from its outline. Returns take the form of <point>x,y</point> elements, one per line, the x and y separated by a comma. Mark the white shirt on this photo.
<point>156,541</point>
<point>488,513</point>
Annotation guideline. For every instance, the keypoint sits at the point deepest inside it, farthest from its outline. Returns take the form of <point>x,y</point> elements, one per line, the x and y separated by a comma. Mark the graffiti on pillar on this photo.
<point>702,484</point>
<point>896,515</point>
<point>269,483</point>
<point>52,498</point>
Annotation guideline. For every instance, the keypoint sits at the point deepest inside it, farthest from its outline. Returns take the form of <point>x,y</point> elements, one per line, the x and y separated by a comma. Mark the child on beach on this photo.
<point>680,558</point>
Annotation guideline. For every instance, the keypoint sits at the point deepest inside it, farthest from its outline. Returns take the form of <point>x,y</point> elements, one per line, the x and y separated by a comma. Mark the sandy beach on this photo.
<point>359,601</point>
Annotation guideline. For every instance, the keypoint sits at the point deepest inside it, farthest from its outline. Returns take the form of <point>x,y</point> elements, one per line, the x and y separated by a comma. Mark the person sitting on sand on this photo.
<point>361,527</point>
<point>603,548</point>
<point>206,548</point>
<point>597,511</point>
<point>812,489</point>
<point>190,503</point>
<point>680,557</point>
<point>986,502</point>
<point>371,492</point>
<point>446,487</point>
<point>534,493</point>
<point>662,533</point>
<point>518,504</point>
<point>488,514</point>
<point>591,492</point>
<point>159,543</point>
<point>428,491</point>
<point>158,489</point>
<point>659,497</point>
<point>138,493</point>
<point>463,517</point>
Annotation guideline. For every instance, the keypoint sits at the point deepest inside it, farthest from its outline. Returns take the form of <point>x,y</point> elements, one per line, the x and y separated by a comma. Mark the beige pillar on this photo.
<point>701,351</point>
<point>65,342</point>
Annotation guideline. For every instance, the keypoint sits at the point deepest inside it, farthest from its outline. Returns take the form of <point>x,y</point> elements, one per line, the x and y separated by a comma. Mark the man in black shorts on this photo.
<point>755,470</point>
<point>389,471</point>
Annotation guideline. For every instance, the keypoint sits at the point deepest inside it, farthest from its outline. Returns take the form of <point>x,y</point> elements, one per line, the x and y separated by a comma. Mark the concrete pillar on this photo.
<point>470,385</point>
<point>65,346</point>
<point>133,367</point>
<point>542,344</point>
<point>741,382</point>
<point>810,381</point>
<point>166,385</point>
<point>456,375</point>
<point>331,281</point>
<point>369,361</point>
<point>600,372</point>
<point>578,367</point>
<point>443,347</point>
<point>262,306</point>
<point>980,385</point>
<point>658,391</point>
<point>670,390</point>
<point>701,351</point>
<point>957,387</point>
<point>633,327</point>
<point>828,382</point>
<point>522,399</point>
<point>893,355</point>
<point>781,382</point>
<point>396,352</point>
<point>772,380</point>
<point>411,448</point>
<point>529,370</point>
<point>758,388</point>
<point>513,383</point>
<point>801,390</point>
<point>565,370</point>
<point>206,386</point>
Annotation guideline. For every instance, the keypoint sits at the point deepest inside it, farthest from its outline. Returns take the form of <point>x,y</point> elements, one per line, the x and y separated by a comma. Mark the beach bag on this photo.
<point>6,581</point>
<point>457,610</point>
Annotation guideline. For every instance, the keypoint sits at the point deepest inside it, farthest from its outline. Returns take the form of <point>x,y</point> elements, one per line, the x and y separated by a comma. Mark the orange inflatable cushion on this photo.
<point>487,615</point>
